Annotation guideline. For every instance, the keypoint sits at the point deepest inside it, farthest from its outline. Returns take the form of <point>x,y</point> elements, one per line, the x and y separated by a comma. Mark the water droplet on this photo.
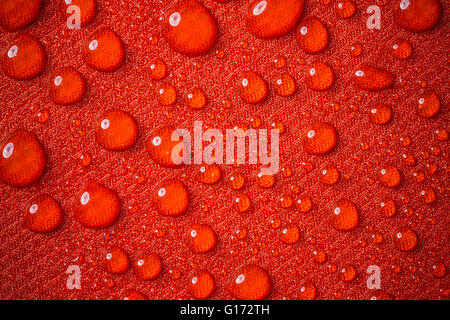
<point>406,239</point>
<point>319,256</point>
<point>371,78</point>
<point>25,59</point>
<point>380,114</point>
<point>348,273</point>
<point>381,295</point>
<point>68,86</point>
<point>174,274</point>
<point>160,146</point>
<point>23,159</point>
<point>116,261</point>
<point>250,283</point>
<point>134,295</point>
<point>312,35</point>
<point>201,238</point>
<point>356,50</point>
<point>97,207</point>
<point>389,176</point>
<point>104,50</point>
<point>428,105</point>
<point>174,200</point>
<point>439,270</point>
<point>43,215</point>
<point>290,234</point>
<point>307,292</point>
<point>286,201</point>
<point>428,195</point>
<point>319,138</point>
<point>252,88</point>
<point>190,28</point>
<point>279,62</point>
<point>167,95</point>
<point>158,70</point>
<point>330,175</point>
<point>275,223</point>
<point>85,159</point>
<point>344,216</point>
<point>210,174</point>
<point>408,159</point>
<point>320,77</point>
<point>148,266</point>
<point>16,14</point>
<point>388,208</point>
<point>401,50</point>
<point>196,99</point>
<point>236,181</point>
<point>116,130</point>
<point>273,18</point>
<point>377,238</point>
<point>345,9</point>
<point>441,134</point>
<point>265,181</point>
<point>285,85</point>
<point>304,204</point>
<point>417,15</point>
<point>202,284</point>
<point>242,203</point>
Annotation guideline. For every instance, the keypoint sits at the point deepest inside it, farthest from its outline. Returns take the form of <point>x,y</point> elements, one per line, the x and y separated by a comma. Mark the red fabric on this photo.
<point>32,266</point>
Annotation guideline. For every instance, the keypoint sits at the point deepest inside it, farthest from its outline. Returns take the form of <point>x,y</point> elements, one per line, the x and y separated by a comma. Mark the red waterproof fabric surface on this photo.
<point>33,266</point>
